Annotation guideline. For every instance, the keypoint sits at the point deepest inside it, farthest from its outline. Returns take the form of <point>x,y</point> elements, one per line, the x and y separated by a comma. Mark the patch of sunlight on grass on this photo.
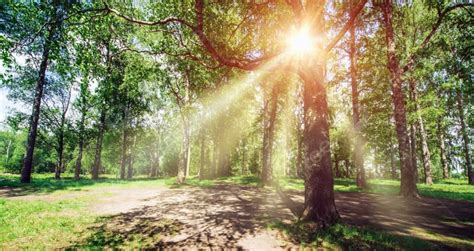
<point>449,189</point>
<point>238,180</point>
<point>45,183</point>
<point>345,237</point>
<point>340,185</point>
<point>452,241</point>
<point>40,224</point>
<point>455,189</point>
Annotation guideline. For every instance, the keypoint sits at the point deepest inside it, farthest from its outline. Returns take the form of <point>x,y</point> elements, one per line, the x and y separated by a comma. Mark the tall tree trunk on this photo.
<point>348,166</point>
<point>442,149</point>
<point>214,165</point>
<point>245,170</point>
<point>7,157</point>
<point>202,158</point>
<point>336,166</point>
<point>77,171</point>
<point>269,117</point>
<point>358,143</point>
<point>98,146</point>
<point>319,181</point>
<point>424,138</point>
<point>65,108</point>
<point>35,115</point>
<point>299,155</point>
<point>465,136</point>
<point>60,165</point>
<point>183,165</point>
<point>131,156</point>
<point>392,163</point>
<point>155,157</point>
<point>123,161</point>
<point>413,133</point>
<point>407,184</point>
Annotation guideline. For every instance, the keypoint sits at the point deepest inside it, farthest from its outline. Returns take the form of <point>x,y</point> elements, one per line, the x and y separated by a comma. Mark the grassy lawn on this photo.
<point>45,183</point>
<point>345,237</point>
<point>454,189</point>
<point>39,224</point>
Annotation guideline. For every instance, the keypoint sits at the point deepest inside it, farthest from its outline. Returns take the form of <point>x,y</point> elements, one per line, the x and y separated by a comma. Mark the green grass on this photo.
<point>454,189</point>
<point>345,237</point>
<point>45,183</point>
<point>41,224</point>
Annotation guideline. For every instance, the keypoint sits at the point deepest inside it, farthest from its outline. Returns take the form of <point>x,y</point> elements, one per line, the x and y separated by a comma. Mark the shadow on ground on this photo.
<point>233,216</point>
<point>224,216</point>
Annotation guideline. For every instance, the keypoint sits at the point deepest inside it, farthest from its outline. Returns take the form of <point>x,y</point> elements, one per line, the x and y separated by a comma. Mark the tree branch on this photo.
<point>441,14</point>
<point>352,16</point>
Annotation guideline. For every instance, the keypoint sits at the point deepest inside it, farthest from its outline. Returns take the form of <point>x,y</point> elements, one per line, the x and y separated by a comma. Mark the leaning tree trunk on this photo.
<point>358,143</point>
<point>465,136</point>
<point>269,117</point>
<point>98,146</point>
<point>408,183</point>
<point>30,146</point>
<point>424,141</point>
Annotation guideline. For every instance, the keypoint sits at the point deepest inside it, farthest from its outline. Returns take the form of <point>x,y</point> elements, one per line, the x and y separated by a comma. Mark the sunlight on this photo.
<point>301,42</point>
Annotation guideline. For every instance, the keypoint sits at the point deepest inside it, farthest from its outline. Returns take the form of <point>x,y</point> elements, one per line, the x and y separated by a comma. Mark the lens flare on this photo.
<point>301,43</point>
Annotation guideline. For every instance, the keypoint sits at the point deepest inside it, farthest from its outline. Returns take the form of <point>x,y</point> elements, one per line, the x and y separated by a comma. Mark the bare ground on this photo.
<point>236,217</point>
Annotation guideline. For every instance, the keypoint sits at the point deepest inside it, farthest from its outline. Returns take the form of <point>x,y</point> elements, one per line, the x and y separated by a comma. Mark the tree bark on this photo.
<point>202,158</point>
<point>413,132</point>
<point>245,170</point>
<point>424,138</point>
<point>183,165</point>
<point>407,184</point>
<point>98,146</point>
<point>59,166</point>
<point>123,161</point>
<point>77,171</point>
<point>442,150</point>
<point>465,136</point>
<point>336,165</point>
<point>33,131</point>
<point>131,156</point>
<point>269,117</point>
<point>65,107</point>
<point>358,143</point>
<point>319,181</point>
<point>299,154</point>
<point>392,163</point>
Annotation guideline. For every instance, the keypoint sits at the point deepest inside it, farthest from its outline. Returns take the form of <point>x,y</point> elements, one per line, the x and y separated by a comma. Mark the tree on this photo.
<point>358,144</point>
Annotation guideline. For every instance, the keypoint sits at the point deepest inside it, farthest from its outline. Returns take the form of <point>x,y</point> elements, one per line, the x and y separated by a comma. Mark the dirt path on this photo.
<point>233,216</point>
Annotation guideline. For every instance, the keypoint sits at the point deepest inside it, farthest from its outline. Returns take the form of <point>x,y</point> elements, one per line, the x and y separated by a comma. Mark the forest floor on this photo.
<point>231,213</point>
